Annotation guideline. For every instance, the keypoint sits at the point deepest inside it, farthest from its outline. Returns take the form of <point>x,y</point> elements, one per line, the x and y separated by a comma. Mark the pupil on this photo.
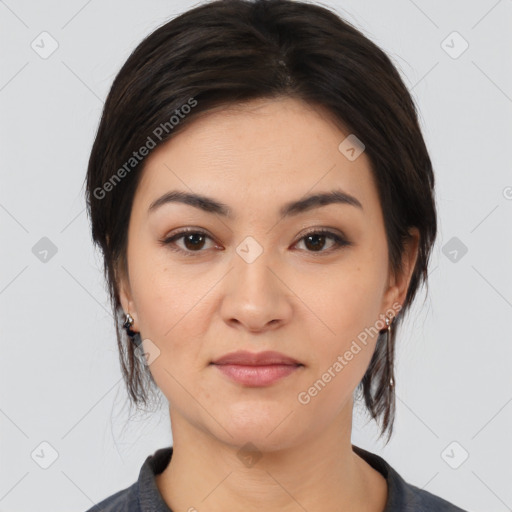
<point>189,238</point>
<point>316,246</point>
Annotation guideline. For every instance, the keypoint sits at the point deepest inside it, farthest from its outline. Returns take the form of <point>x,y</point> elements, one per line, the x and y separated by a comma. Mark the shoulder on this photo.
<point>125,500</point>
<point>403,496</point>
<point>420,500</point>
<point>144,492</point>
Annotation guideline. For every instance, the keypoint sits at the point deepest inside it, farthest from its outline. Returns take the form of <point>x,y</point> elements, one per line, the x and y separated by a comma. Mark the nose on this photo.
<point>256,297</point>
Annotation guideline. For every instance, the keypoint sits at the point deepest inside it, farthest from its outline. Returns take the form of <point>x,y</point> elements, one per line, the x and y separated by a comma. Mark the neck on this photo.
<point>320,473</point>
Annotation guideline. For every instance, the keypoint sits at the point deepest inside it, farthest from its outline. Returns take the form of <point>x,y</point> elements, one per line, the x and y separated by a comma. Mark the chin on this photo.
<point>267,432</point>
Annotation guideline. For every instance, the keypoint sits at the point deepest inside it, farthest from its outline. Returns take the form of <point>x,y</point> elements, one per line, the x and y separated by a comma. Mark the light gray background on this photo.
<point>59,371</point>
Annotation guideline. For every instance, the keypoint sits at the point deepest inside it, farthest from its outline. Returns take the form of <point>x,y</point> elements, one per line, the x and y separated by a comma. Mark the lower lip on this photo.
<point>256,375</point>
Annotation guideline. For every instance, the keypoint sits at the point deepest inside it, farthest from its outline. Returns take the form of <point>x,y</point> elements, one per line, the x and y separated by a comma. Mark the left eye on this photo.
<point>317,238</point>
<point>194,241</point>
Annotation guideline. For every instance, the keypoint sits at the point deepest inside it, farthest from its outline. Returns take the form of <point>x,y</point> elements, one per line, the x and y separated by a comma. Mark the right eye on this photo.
<point>193,240</point>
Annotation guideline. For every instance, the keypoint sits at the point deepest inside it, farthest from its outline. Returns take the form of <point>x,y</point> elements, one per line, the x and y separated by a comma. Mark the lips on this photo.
<point>256,369</point>
<point>267,358</point>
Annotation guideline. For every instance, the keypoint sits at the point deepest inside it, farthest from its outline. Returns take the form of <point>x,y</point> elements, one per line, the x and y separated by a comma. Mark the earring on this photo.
<point>128,322</point>
<point>389,353</point>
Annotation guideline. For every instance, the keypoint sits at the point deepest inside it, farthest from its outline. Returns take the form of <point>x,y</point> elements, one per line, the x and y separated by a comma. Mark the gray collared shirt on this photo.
<point>144,495</point>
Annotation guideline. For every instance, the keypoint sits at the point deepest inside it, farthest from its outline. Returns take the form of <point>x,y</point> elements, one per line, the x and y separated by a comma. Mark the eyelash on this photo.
<point>339,241</point>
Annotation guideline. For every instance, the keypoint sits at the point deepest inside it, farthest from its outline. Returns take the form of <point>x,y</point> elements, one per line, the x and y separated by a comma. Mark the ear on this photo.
<point>399,284</point>
<point>125,294</point>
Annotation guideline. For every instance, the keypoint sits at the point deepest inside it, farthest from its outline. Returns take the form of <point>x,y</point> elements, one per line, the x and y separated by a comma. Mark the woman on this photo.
<point>264,201</point>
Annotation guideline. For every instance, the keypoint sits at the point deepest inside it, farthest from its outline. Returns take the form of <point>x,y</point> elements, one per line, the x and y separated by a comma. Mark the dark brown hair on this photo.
<point>231,51</point>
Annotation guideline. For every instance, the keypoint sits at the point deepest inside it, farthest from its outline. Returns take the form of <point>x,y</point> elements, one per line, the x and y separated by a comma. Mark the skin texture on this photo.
<point>308,304</point>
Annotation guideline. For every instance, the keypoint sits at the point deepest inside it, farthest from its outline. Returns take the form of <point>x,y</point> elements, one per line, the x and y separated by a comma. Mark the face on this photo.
<point>312,283</point>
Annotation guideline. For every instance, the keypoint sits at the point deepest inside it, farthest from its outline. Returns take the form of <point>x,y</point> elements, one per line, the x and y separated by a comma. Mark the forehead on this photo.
<point>262,149</point>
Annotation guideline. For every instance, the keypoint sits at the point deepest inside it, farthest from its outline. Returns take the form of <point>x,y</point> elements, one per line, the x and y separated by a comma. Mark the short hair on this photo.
<point>227,52</point>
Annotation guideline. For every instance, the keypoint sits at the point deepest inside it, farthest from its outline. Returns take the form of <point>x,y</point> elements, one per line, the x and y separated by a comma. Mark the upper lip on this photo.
<point>243,357</point>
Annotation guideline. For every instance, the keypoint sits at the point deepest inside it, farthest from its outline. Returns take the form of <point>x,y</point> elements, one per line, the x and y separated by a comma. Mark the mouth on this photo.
<point>257,375</point>
<point>256,369</point>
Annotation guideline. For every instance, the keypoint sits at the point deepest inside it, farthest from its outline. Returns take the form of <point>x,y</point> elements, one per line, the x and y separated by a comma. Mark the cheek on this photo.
<point>349,307</point>
<point>351,300</point>
<point>162,294</point>
<point>341,359</point>
<point>173,311</point>
<point>173,317</point>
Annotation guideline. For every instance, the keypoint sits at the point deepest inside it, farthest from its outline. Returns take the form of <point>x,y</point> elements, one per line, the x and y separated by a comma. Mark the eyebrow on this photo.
<point>211,205</point>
